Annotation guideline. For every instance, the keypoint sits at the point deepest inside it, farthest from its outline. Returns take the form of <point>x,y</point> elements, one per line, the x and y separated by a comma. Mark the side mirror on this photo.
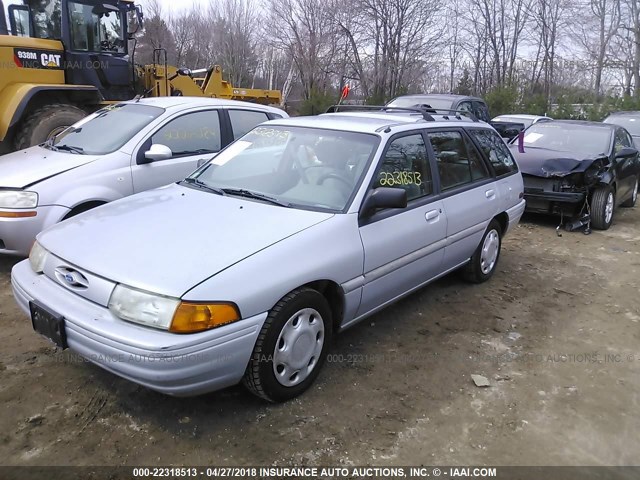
<point>627,152</point>
<point>157,152</point>
<point>384,197</point>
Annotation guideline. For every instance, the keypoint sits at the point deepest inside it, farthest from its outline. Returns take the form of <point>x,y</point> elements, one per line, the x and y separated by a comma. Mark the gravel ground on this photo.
<point>555,332</point>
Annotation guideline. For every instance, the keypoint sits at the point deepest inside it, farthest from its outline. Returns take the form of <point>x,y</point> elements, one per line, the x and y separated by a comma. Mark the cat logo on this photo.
<point>51,60</point>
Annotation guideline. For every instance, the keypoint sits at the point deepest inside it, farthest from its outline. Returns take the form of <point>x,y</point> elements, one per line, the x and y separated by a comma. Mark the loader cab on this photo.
<point>94,35</point>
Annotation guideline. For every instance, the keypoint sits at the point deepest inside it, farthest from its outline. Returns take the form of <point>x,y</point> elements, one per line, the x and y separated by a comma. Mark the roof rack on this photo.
<point>423,109</point>
<point>457,113</point>
<point>381,108</point>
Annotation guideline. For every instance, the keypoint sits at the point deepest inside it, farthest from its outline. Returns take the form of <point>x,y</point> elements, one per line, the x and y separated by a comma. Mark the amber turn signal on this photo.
<point>198,317</point>
<point>17,214</point>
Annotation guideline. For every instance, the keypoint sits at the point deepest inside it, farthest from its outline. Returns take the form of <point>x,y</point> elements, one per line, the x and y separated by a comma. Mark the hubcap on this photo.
<point>490,249</point>
<point>608,211</point>
<point>635,191</point>
<point>299,347</point>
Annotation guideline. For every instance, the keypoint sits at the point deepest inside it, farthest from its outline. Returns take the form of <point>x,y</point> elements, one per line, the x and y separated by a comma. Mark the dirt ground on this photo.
<point>556,332</point>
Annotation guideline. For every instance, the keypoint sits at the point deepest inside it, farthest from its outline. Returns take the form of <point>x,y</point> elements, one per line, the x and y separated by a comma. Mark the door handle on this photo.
<point>490,194</point>
<point>432,215</point>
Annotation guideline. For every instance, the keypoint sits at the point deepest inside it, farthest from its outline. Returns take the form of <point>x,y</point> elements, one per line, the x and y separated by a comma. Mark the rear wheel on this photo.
<point>45,123</point>
<point>634,197</point>
<point>485,260</point>
<point>603,203</point>
<point>291,347</point>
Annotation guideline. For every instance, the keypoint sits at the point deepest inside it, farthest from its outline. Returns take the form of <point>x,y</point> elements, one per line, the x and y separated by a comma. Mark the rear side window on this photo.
<point>191,134</point>
<point>243,121</point>
<point>458,161</point>
<point>495,150</point>
<point>405,165</point>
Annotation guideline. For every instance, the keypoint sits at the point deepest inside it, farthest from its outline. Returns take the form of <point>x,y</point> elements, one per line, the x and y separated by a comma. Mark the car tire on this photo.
<point>484,261</point>
<point>291,347</point>
<point>45,122</point>
<point>603,201</point>
<point>634,197</point>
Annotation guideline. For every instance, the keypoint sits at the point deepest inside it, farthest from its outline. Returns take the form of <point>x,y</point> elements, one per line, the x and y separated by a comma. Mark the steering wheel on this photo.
<point>334,176</point>
<point>106,45</point>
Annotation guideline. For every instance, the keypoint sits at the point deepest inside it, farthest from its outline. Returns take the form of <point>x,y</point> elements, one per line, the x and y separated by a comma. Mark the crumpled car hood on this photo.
<point>26,167</point>
<point>541,162</point>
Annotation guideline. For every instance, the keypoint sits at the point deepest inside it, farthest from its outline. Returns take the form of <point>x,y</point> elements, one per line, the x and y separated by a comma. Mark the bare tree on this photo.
<point>305,30</point>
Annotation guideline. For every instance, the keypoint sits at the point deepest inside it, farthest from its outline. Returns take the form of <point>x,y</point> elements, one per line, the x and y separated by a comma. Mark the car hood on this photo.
<point>171,239</point>
<point>26,167</point>
<point>545,163</point>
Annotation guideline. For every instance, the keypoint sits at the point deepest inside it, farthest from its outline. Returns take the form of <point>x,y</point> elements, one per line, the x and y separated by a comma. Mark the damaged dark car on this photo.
<point>581,171</point>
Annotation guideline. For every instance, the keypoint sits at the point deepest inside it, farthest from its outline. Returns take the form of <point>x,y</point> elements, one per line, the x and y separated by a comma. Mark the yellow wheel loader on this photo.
<point>62,59</point>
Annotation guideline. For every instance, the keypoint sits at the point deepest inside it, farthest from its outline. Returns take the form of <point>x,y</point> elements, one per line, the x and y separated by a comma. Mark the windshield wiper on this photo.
<point>197,183</point>
<point>69,148</point>
<point>256,196</point>
<point>201,151</point>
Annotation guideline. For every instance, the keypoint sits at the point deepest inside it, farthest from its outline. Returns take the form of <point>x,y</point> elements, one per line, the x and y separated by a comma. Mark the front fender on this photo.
<point>15,99</point>
<point>88,194</point>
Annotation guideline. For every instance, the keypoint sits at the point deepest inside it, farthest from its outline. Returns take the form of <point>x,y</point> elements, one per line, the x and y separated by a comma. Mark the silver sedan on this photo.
<point>118,151</point>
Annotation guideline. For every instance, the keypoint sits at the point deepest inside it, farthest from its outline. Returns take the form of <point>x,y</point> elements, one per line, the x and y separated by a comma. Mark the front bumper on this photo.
<point>549,195</point>
<point>18,234</point>
<point>556,197</point>
<point>179,365</point>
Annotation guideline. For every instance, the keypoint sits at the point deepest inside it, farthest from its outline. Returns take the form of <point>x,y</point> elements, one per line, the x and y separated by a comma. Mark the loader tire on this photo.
<point>46,122</point>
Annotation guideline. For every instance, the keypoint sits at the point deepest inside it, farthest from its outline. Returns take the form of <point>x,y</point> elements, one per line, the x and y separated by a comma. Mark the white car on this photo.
<point>120,150</point>
<point>526,119</point>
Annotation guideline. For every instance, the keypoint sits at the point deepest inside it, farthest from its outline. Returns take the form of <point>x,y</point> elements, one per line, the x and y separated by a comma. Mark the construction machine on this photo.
<point>62,59</point>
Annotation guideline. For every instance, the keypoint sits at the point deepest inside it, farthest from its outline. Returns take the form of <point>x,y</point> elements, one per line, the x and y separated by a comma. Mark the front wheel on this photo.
<point>634,196</point>
<point>291,347</point>
<point>603,203</point>
<point>485,259</point>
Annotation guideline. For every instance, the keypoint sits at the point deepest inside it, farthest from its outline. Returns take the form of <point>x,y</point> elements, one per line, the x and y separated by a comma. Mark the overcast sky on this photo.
<point>177,5</point>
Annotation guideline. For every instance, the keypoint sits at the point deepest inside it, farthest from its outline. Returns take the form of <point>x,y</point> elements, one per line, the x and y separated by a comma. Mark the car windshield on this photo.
<point>567,137</point>
<point>408,102</point>
<point>294,166</point>
<point>631,123</point>
<point>107,130</point>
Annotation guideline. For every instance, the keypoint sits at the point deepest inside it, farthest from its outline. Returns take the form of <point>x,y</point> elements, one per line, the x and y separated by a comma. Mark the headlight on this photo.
<point>168,313</point>
<point>18,199</point>
<point>142,307</point>
<point>38,257</point>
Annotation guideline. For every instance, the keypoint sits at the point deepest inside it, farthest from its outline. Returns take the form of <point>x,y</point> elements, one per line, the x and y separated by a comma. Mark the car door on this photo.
<point>192,137</point>
<point>403,247</point>
<point>243,120</point>
<point>501,163</point>
<point>626,168</point>
<point>469,193</point>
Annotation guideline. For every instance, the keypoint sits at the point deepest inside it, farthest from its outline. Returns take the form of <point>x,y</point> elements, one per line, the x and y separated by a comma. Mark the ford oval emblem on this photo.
<point>72,278</point>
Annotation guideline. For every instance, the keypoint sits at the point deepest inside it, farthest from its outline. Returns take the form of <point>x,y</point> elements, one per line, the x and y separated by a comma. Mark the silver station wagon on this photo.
<point>120,150</point>
<point>245,270</point>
